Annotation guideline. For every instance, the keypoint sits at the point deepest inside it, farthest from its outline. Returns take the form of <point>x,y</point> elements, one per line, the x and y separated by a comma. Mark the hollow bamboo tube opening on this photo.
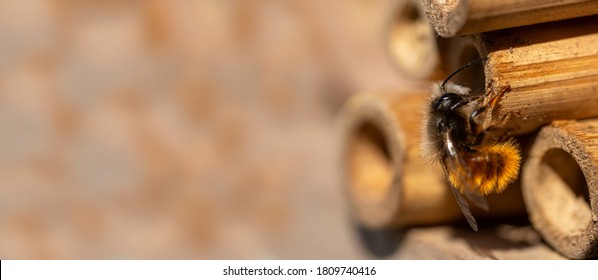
<point>462,51</point>
<point>412,42</point>
<point>388,183</point>
<point>560,187</point>
<point>371,175</point>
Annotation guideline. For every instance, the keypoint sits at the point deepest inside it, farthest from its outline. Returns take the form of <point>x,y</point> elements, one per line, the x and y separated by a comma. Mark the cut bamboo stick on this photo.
<point>388,183</point>
<point>460,17</point>
<point>560,187</point>
<point>549,69</point>
<point>412,43</point>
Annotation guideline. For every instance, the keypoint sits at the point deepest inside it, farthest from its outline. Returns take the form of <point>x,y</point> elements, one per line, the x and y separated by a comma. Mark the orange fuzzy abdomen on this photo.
<point>488,170</point>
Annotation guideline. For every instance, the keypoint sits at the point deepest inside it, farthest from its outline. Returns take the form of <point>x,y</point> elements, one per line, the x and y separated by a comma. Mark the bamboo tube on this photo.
<point>550,69</point>
<point>560,187</point>
<point>388,183</point>
<point>413,46</point>
<point>460,17</point>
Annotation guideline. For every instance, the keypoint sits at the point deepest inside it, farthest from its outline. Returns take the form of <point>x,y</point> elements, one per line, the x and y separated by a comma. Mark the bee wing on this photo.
<point>450,163</point>
<point>474,197</point>
<point>465,209</point>
<point>477,199</point>
<point>453,163</point>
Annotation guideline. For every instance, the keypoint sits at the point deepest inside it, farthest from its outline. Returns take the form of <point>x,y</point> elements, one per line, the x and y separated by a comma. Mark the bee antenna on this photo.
<point>478,60</point>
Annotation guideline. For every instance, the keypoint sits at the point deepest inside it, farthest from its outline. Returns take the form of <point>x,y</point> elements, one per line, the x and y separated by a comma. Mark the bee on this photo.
<point>474,163</point>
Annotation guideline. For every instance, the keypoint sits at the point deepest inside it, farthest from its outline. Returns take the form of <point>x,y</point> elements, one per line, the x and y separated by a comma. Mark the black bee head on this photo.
<point>447,102</point>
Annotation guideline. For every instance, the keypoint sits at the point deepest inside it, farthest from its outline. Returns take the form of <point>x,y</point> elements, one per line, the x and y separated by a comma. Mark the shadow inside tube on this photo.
<point>567,169</point>
<point>381,243</point>
<point>473,76</point>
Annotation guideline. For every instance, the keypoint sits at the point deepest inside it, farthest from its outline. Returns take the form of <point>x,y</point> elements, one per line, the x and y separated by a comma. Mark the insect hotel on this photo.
<point>541,58</point>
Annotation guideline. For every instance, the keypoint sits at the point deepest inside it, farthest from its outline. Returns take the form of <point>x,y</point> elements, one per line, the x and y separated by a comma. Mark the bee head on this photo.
<point>447,102</point>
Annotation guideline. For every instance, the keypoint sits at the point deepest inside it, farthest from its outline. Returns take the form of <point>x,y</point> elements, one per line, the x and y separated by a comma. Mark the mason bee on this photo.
<point>475,163</point>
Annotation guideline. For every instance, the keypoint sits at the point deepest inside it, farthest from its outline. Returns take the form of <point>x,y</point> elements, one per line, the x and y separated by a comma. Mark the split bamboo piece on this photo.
<point>460,17</point>
<point>550,70</point>
<point>413,45</point>
<point>560,187</point>
<point>388,183</point>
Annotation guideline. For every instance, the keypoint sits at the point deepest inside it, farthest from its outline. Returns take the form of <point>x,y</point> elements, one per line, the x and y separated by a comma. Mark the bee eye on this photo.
<point>446,101</point>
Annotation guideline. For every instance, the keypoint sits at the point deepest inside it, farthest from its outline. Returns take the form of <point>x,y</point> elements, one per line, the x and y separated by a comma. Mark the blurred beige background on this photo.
<point>181,129</point>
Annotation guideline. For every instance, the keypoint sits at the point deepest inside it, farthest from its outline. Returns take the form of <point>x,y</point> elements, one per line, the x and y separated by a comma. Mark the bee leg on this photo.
<point>497,96</point>
<point>473,126</point>
<point>490,103</point>
<point>472,122</point>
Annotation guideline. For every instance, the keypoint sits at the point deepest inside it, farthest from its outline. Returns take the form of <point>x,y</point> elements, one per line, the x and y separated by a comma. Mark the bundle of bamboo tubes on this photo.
<point>546,53</point>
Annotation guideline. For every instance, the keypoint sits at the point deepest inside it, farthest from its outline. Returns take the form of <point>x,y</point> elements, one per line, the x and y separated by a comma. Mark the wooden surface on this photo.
<point>560,187</point>
<point>502,241</point>
<point>460,17</point>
